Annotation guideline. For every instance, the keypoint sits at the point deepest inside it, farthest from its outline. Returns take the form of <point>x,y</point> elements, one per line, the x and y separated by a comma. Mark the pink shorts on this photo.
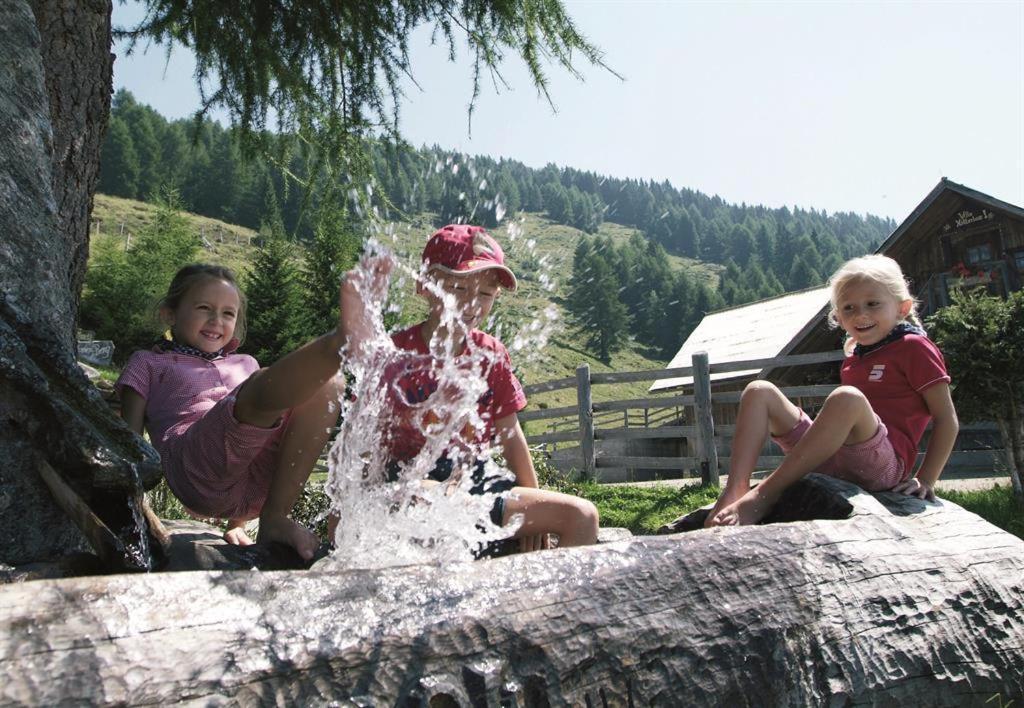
<point>220,467</point>
<point>872,464</point>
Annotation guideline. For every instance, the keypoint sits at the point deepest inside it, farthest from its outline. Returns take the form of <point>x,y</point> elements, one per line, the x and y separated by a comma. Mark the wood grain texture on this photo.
<point>902,603</point>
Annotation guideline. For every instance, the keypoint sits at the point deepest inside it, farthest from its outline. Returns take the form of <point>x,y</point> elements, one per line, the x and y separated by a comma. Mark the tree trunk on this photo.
<point>1012,432</point>
<point>78,66</point>
<point>51,124</point>
<point>901,603</point>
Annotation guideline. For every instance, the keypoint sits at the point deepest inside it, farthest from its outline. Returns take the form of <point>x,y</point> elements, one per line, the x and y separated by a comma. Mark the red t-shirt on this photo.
<point>893,378</point>
<point>413,380</point>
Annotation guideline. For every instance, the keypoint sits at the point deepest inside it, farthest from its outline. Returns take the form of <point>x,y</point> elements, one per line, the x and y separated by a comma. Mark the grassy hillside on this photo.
<point>116,218</point>
<point>539,251</point>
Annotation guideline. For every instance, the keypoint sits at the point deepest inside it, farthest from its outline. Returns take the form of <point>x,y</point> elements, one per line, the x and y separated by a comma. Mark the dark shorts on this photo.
<point>481,485</point>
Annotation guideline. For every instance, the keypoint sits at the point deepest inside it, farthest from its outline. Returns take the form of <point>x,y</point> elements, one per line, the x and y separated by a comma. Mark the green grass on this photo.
<point>996,505</point>
<point>108,373</point>
<point>643,510</point>
<point>229,243</point>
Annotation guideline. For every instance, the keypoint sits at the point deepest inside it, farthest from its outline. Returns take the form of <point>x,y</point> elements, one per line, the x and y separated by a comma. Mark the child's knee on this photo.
<point>846,397</point>
<point>761,389</point>
<point>585,517</point>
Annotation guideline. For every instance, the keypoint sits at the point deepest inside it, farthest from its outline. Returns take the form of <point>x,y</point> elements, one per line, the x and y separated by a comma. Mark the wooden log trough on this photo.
<point>898,602</point>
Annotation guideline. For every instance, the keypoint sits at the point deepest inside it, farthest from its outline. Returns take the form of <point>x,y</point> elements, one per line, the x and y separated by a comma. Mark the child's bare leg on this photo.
<point>575,520</point>
<point>235,533</point>
<point>763,409</point>
<point>308,429</point>
<point>298,376</point>
<point>846,418</point>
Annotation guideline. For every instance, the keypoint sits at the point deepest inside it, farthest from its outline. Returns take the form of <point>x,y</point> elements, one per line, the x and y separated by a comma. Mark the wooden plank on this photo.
<point>613,475</point>
<point>553,385</point>
<point>703,417</point>
<point>973,460</point>
<point>646,375</point>
<point>107,545</point>
<point>876,604</point>
<point>586,416</point>
<point>545,413</point>
<point>654,463</point>
<point>659,403</point>
<point>960,461</point>
<point>764,462</point>
<point>667,431</point>
<point>791,392</point>
<point>563,436</point>
<point>659,374</point>
<point>792,360</point>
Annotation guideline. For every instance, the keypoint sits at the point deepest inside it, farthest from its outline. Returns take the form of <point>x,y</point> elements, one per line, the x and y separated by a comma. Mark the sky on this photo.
<point>858,107</point>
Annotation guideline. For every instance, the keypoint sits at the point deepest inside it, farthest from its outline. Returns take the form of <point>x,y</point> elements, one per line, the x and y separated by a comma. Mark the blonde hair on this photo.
<point>876,269</point>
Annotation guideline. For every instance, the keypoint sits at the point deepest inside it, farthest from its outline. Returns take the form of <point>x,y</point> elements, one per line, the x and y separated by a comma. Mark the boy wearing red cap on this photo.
<point>466,263</point>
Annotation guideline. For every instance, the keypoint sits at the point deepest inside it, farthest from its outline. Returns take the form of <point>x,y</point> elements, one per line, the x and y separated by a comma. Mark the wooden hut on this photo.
<point>956,237</point>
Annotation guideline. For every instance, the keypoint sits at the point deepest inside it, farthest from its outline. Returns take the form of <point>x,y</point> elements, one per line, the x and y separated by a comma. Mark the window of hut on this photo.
<point>979,254</point>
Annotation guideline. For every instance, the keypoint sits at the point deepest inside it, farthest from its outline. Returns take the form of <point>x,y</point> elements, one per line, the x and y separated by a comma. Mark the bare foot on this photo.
<point>731,495</point>
<point>747,510</point>
<point>236,534</point>
<point>283,530</point>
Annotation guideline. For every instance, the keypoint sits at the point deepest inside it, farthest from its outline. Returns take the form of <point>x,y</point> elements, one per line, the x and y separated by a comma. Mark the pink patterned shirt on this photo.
<point>179,389</point>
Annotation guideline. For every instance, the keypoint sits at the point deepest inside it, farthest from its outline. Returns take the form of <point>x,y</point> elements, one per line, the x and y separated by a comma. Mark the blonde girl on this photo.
<point>894,382</point>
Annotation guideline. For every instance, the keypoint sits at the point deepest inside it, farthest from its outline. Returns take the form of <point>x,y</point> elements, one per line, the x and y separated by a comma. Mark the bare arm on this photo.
<point>133,409</point>
<point>944,430</point>
<point>517,456</point>
<point>516,451</point>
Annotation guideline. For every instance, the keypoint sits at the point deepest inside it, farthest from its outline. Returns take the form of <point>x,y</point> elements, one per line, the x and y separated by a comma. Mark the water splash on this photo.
<point>389,513</point>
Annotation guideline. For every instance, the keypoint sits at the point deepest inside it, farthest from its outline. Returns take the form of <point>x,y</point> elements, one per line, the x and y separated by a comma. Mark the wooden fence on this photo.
<point>585,422</point>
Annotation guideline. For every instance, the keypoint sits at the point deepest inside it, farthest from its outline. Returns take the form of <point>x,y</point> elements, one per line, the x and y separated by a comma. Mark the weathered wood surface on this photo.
<point>913,604</point>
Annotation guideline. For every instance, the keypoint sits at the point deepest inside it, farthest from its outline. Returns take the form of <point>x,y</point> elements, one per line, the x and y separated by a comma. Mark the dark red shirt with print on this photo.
<point>893,377</point>
<point>413,380</point>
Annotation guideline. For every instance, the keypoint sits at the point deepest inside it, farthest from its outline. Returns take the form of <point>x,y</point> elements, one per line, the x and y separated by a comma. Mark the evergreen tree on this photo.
<point>223,180</point>
<point>119,164</point>
<point>334,250</point>
<point>686,235</point>
<point>143,124</point>
<point>123,287</point>
<point>271,288</point>
<point>802,276</point>
<point>174,155</point>
<point>595,308</point>
<point>765,246</point>
<point>557,204</point>
<point>741,244</point>
<point>706,300</point>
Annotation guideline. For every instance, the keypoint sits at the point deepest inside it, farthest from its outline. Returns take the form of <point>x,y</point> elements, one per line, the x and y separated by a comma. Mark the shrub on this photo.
<point>122,288</point>
<point>982,339</point>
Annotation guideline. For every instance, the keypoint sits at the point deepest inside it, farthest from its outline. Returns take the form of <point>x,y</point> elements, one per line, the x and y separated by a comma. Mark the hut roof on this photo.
<point>758,330</point>
<point>946,196</point>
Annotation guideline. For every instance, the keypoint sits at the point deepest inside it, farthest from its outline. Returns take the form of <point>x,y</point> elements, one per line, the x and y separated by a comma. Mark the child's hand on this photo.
<point>914,487</point>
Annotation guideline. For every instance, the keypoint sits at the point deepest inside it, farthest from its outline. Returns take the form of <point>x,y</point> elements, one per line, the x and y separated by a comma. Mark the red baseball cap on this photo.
<point>461,249</point>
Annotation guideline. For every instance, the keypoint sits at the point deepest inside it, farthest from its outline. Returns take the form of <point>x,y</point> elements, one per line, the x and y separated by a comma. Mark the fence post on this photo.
<point>586,415</point>
<point>706,452</point>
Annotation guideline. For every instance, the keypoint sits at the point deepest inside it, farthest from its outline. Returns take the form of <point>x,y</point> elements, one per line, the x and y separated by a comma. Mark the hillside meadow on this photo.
<point>538,250</point>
